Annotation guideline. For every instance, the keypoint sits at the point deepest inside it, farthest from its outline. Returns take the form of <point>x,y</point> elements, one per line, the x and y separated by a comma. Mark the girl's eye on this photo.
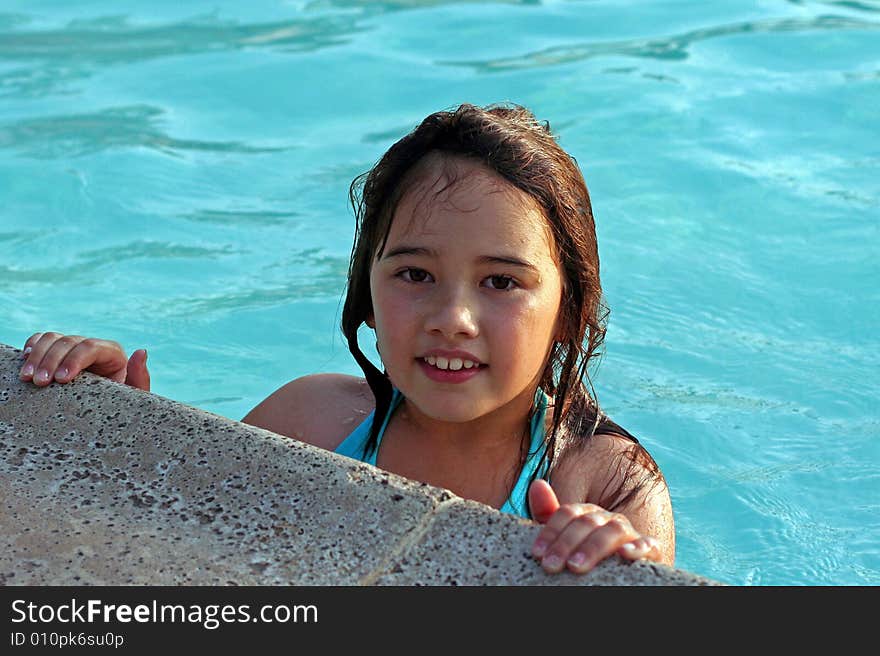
<point>501,283</point>
<point>415,275</point>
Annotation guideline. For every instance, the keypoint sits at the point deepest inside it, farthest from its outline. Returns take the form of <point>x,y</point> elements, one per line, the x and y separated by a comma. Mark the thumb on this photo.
<point>136,373</point>
<point>542,501</point>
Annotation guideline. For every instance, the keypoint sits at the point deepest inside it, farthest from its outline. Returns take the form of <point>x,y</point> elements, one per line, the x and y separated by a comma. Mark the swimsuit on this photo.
<point>354,445</point>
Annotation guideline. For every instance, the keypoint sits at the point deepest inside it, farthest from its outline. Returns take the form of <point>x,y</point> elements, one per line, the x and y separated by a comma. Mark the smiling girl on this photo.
<point>475,263</point>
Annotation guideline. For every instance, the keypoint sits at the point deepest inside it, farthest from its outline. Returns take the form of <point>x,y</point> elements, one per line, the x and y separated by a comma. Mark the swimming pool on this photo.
<point>175,177</point>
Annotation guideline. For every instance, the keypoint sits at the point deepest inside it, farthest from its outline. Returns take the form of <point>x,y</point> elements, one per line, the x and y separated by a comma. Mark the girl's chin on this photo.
<point>451,405</point>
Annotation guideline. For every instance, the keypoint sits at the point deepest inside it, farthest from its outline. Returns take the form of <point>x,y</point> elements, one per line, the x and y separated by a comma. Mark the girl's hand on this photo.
<point>53,357</point>
<point>579,535</point>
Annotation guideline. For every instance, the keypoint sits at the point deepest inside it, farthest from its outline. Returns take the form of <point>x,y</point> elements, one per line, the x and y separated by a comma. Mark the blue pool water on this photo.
<point>174,176</point>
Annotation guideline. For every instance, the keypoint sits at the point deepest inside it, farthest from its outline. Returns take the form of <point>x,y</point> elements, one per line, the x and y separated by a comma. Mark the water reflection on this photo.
<point>102,41</point>
<point>83,47</point>
<point>118,127</point>
<point>669,48</point>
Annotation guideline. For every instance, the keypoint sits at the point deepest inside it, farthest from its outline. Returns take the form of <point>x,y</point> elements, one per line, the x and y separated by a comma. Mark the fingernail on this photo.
<point>27,370</point>
<point>26,351</point>
<point>61,374</point>
<point>552,562</point>
<point>539,548</point>
<point>577,559</point>
<point>42,375</point>
<point>629,547</point>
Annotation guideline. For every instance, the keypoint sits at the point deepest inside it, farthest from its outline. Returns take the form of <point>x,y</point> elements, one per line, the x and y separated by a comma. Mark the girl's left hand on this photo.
<point>580,535</point>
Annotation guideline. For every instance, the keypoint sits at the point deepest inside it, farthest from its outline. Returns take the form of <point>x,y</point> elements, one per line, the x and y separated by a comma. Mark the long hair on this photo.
<point>509,140</point>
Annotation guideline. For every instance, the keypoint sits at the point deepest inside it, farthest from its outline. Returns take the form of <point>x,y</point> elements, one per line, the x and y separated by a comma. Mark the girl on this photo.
<point>475,263</point>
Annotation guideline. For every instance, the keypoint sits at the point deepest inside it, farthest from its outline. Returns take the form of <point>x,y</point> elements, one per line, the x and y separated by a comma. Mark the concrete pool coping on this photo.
<point>103,484</point>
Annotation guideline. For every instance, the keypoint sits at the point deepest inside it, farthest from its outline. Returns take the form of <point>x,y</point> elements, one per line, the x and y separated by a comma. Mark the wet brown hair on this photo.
<point>509,140</point>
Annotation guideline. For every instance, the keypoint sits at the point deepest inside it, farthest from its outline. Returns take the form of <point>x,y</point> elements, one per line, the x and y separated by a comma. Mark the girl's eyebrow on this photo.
<point>483,259</point>
<point>407,250</point>
<point>507,259</point>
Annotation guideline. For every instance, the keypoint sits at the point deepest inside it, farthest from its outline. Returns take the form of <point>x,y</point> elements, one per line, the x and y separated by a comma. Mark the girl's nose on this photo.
<point>453,315</point>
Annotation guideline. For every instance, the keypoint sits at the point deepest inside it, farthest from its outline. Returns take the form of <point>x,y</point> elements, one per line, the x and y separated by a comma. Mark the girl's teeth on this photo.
<point>453,364</point>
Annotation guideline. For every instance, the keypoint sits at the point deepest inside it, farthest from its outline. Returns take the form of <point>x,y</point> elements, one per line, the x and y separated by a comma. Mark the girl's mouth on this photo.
<point>453,364</point>
<point>449,370</point>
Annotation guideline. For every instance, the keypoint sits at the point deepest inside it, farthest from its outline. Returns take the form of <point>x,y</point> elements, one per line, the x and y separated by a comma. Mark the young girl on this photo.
<point>475,263</point>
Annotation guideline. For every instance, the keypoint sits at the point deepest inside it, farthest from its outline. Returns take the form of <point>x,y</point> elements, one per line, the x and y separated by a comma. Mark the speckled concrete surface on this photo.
<point>102,484</point>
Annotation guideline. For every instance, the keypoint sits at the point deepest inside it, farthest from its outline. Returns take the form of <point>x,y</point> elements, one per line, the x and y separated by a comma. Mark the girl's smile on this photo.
<point>466,293</point>
<point>450,366</point>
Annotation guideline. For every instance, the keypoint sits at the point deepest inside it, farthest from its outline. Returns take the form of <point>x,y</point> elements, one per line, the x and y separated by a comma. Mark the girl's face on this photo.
<point>466,295</point>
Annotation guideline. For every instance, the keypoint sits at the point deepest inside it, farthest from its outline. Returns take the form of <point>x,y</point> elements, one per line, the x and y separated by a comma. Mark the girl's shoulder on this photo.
<point>319,409</point>
<point>605,466</point>
<point>588,466</point>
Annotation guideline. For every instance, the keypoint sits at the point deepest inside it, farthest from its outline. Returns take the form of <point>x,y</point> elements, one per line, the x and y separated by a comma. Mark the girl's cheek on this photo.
<point>393,319</point>
<point>519,314</point>
<point>397,307</point>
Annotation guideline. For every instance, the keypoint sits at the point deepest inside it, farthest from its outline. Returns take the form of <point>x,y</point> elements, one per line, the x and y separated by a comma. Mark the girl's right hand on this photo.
<point>53,357</point>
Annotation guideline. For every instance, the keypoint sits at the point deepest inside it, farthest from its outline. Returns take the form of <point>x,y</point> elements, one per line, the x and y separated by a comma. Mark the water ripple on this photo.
<point>77,50</point>
<point>152,250</point>
<point>241,218</point>
<point>93,260</point>
<point>386,136</point>
<point>388,6</point>
<point>38,82</point>
<point>850,4</point>
<point>670,48</point>
<point>19,238</point>
<point>111,40</point>
<point>310,274</point>
<point>324,285</point>
<point>72,135</point>
<point>12,21</point>
<point>718,399</point>
<point>811,182</point>
<point>766,474</point>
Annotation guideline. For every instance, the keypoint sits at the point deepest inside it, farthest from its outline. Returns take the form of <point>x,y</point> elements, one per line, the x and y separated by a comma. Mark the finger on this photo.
<point>102,357</point>
<point>572,545</point>
<point>39,344</point>
<point>601,543</point>
<point>31,357</point>
<point>565,514</point>
<point>542,501</point>
<point>29,343</point>
<point>643,547</point>
<point>136,372</point>
<point>51,363</point>
<point>27,368</point>
<point>556,524</point>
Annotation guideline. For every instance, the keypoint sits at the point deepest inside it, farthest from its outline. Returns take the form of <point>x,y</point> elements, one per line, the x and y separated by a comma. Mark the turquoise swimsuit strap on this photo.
<point>354,446</point>
<point>518,503</point>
